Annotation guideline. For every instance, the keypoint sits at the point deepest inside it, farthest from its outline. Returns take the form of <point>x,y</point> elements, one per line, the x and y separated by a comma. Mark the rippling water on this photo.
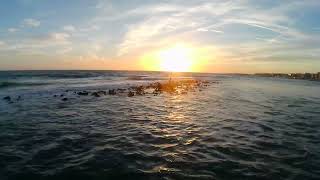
<point>241,128</point>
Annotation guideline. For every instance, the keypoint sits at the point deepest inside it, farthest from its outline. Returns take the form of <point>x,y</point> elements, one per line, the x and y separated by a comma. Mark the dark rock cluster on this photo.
<point>112,92</point>
<point>99,93</point>
<point>83,93</point>
<point>173,87</point>
<point>10,100</point>
<point>155,88</point>
<point>7,98</point>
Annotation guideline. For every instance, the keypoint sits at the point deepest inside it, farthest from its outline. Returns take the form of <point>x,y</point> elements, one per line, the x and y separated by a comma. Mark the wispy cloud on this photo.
<point>164,19</point>
<point>216,17</point>
<point>209,30</point>
<point>64,50</point>
<point>31,22</point>
<point>69,28</point>
<point>12,30</point>
<point>238,30</point>
<point>58,37</point>
<point>89,28</point>
<point>40,44</point>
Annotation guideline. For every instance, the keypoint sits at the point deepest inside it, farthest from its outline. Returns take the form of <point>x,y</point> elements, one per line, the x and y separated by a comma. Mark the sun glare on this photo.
<point>176,59</point>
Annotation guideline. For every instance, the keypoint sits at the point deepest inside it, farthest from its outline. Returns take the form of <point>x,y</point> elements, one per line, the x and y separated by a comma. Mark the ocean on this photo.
<point>242,127</point>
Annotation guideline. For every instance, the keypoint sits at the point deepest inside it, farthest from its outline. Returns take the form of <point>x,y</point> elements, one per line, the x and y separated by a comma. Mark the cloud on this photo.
<point>65,50</point>
<point>209,30</point>
<point>69,28</point>
<point>31,22</point>
<point>90,28</point>
<point>166,22</point>
<point>142,33</point>
<point>50,39</point>
<point>242,30</point>
<point>12,30</point>
<point>58,37</point>
<point>40,44</point>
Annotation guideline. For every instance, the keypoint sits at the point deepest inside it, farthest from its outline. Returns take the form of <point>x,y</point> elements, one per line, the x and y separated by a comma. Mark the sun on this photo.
<point>176,59</point>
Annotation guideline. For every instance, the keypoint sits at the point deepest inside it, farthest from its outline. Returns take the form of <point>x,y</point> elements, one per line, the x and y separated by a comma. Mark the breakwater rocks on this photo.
<point>10,100</point>
<point>172,87</point>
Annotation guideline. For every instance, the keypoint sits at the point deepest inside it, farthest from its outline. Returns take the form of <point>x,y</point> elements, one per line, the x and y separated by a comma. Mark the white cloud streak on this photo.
<point>12,30</point>
<point>69,28</point>
<point>31,22</point>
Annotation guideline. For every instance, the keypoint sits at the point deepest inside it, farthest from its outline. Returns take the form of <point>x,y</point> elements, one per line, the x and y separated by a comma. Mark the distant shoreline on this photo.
<point>300,76</point>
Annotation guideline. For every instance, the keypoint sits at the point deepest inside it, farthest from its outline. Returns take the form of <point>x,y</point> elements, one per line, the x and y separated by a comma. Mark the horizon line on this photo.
<point>4,70</point>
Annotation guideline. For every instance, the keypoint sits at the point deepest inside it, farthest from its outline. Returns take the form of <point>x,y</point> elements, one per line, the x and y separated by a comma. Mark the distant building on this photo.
<point>297,76</point>
<point>307,76</point>
<point>314,76</point>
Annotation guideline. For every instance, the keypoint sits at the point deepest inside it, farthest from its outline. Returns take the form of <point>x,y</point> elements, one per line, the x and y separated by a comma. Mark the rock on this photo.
<point>112,92</point>
<point>8,98</point>
<point>156,93</point>
<point>99,93</point>
<point>55,95</point>
<point>154,88</point>
<point>140,90</point>
<point>83,93</point>
<point>121,90</point>
<point>95,94</point>
<point>130,94</point>
<point>102,92</point>
<point>184,92</point>
<point>158,87</point>
<point>65,99</point>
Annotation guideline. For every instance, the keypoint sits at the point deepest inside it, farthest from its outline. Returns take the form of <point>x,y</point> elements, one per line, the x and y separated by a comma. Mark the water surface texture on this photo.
<point>241,128</point>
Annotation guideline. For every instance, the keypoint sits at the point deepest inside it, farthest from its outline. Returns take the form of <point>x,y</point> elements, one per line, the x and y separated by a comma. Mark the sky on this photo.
<point>239,36</point>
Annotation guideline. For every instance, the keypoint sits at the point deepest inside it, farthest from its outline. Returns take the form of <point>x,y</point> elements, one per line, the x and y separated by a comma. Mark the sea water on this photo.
<point>243,127</point>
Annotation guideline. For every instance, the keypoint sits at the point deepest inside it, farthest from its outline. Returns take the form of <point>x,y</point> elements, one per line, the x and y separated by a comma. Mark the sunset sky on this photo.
<point>240,36</point>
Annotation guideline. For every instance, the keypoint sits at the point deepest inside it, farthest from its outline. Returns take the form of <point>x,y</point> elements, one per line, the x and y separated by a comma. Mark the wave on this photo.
<point>8,84</point>
<point>50,74</point>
